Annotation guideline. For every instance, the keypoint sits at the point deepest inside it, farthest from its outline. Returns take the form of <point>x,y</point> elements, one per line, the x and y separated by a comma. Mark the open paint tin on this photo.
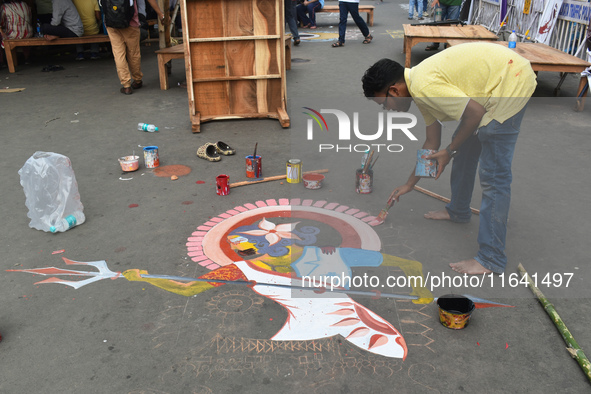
<point>455,311</point>
<point>129,163</point>
<point>254,166</point>
<point>313,181</point>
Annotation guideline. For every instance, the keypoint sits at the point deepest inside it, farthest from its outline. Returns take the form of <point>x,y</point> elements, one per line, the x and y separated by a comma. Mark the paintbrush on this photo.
<point>374,162</point>
<point>366,165</point>
<point>381,218</point>
<point>254,155</point>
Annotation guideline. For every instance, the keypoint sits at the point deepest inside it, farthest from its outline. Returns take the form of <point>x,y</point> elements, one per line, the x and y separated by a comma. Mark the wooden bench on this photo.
<point>362,8</point>
<point>165,55</point>
<point>10,45</point>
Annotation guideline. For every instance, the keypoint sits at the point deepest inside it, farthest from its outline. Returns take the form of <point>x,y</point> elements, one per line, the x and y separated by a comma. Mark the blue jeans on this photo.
<point>412,4</point>
<point>492,148</point>
<point>290,18</point>
<point>307,13</point>
<point>346,8</point>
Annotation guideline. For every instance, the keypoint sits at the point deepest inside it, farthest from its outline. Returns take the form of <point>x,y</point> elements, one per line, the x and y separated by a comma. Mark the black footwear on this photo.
<point>137,84</point>
<point>126,90</point>
<point>224,149</point>
<point>296,42</point>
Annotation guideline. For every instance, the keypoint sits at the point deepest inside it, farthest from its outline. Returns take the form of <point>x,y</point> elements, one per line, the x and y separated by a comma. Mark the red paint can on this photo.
<point>363,181</point>
<point>254,167</point>
<point>222,185</point>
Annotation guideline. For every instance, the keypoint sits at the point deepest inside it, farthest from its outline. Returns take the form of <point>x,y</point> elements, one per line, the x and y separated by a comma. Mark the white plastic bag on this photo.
<point>51,191</point>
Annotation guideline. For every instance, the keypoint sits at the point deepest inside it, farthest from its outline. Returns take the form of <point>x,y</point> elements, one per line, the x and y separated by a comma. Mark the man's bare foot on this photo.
<point>49,37</point>
<point>438,215</point>
<point>470,267</point>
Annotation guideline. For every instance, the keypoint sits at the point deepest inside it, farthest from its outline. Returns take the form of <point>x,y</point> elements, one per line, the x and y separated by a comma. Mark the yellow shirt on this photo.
<point>494,76</point>
<point>86,9</point>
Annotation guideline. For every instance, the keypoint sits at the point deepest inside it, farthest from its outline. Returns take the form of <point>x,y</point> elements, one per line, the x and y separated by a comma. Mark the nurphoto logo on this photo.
<point>389,123</point>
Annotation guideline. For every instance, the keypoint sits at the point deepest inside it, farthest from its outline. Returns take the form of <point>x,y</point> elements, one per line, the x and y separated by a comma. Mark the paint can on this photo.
<point>151,158</point>
<point>294,170</point>
<point>455,311</point>
<point>129,163</point>
<point>363,182</point>
<point>222,183</point>
<point>426,168</point>
<point>254,166</point>
<point>313,181</point>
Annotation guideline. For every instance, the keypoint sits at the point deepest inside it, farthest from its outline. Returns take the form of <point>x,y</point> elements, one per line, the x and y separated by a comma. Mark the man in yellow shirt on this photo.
<point>90,14</point>
<point>486,87</point>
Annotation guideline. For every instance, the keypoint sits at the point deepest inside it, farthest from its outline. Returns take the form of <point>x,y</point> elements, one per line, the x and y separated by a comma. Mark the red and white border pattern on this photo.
<point>208,246</point>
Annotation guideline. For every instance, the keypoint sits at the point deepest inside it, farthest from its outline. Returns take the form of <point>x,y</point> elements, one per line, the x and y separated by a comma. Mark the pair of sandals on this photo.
<point>211,152</point>
<point>434,47</point>
<point>339,44</point>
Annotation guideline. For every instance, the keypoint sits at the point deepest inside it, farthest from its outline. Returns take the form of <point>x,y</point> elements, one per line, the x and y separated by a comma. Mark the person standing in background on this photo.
<point>347,7</point>
<point>290,19</point>
<point>125,43</point>
<point>450,10</point>
<point>415,4</point>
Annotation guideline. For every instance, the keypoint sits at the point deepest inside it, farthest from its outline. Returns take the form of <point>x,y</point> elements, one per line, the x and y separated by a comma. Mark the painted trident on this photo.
<point>103,273</point>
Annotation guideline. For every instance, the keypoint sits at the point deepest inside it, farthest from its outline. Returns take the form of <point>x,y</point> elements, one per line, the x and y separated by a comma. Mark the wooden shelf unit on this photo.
<point>234,59</point>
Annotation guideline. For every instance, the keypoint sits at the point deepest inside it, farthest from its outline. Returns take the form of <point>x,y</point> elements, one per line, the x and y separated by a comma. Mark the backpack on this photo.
<point>118,13</point>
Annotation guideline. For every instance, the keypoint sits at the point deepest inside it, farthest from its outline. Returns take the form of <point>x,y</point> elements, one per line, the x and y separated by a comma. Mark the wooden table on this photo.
<point>545,58</point>
<point>425,33</point>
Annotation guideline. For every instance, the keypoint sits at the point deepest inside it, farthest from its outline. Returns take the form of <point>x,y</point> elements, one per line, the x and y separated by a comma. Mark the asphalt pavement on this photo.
<point>119,336</point>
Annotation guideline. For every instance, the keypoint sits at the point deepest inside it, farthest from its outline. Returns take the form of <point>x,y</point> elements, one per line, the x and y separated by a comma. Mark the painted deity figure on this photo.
<point>275,258</point>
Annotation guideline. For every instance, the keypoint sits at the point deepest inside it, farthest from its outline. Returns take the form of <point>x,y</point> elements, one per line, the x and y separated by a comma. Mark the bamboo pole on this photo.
<point>272,178</point>
<point>573,347</point>
<point>441,198</point>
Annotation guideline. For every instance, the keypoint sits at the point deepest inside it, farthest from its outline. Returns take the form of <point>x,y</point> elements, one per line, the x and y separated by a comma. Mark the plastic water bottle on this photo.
<point>438,14</point>
<point>38,34</point>
<point>513,40</point>
<point>68,222</point>
<point>147,127</point>
<point>365,155</point>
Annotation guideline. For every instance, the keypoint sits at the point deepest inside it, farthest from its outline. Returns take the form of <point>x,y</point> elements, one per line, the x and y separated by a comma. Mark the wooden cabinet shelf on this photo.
<point>235,59</point>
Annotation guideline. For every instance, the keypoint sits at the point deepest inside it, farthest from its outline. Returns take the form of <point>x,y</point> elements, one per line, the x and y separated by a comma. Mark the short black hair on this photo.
<point>380,76</point>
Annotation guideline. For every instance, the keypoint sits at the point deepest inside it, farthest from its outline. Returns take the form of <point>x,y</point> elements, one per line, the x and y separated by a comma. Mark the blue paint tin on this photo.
<point>151,158</point>
<point>426,168</point>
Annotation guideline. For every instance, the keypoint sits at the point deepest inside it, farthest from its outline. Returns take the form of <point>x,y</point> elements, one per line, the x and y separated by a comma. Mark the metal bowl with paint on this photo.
<point>129,163</point>
<point>313,181</point>
<point>455,311</point>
